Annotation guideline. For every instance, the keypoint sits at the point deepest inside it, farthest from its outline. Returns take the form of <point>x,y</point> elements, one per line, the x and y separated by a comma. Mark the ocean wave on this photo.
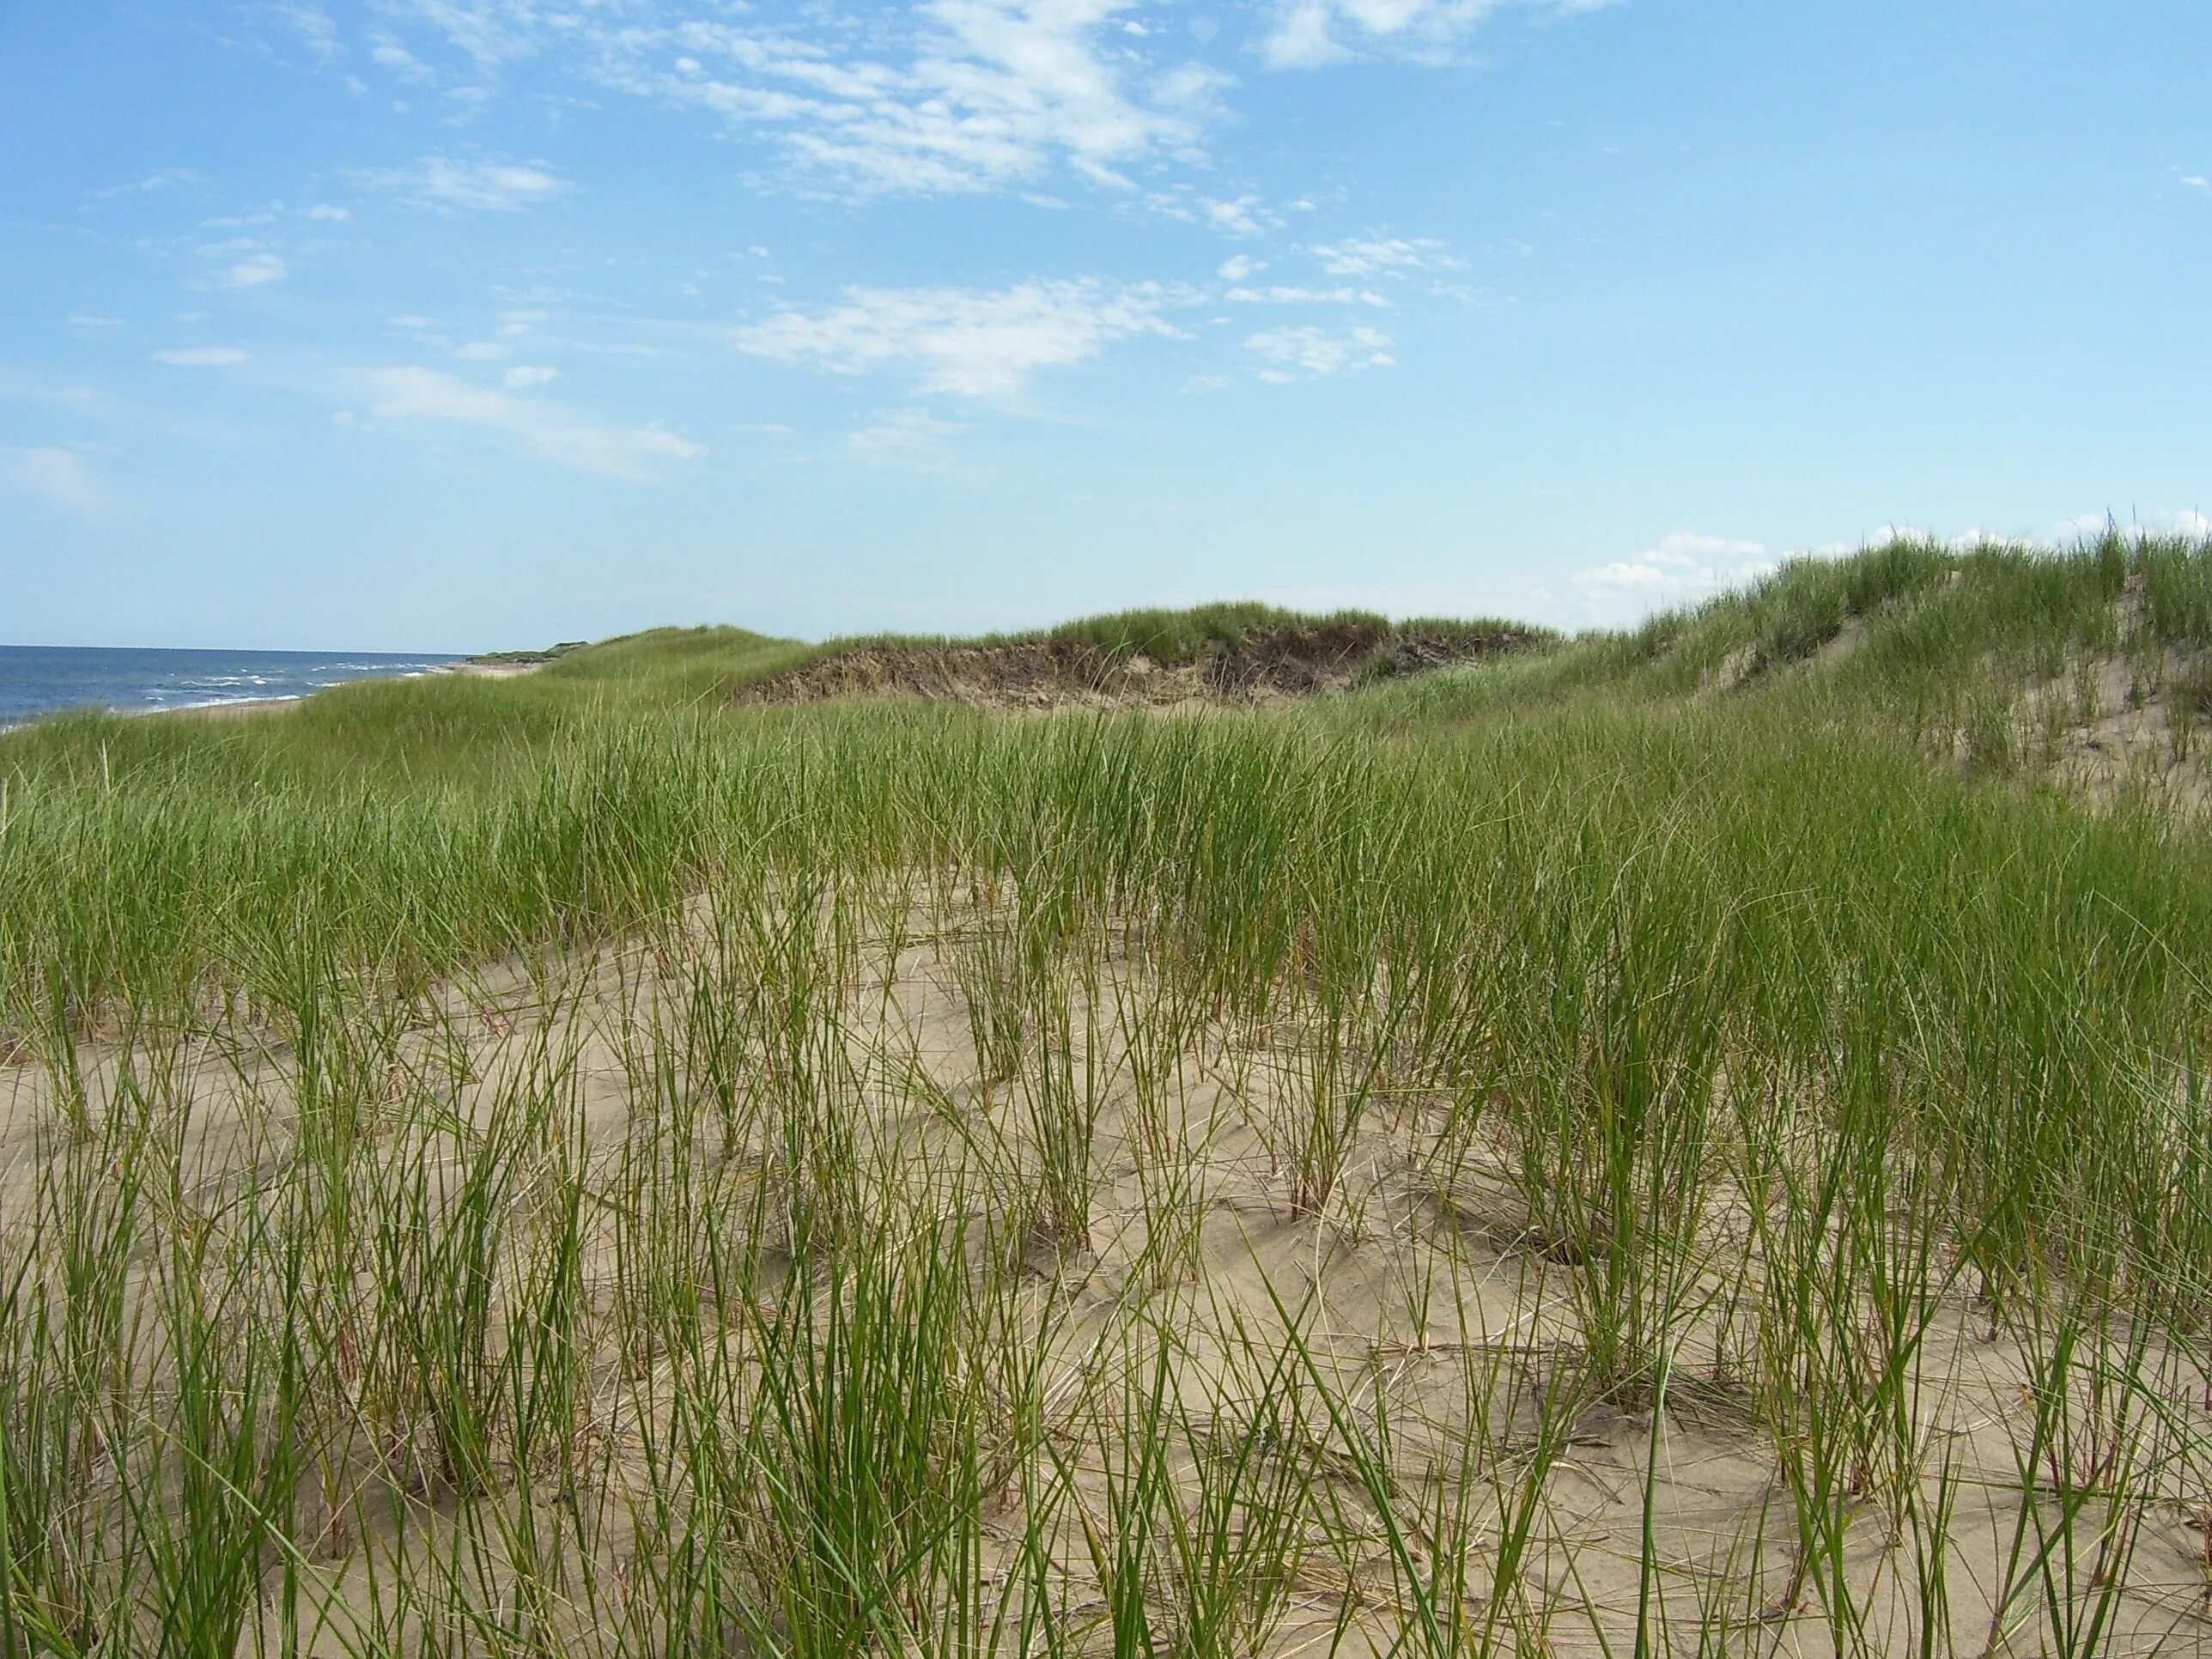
<point>39,680</point>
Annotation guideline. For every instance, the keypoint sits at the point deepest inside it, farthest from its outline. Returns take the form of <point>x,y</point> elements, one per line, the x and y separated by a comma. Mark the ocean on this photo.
<point>39,679</point>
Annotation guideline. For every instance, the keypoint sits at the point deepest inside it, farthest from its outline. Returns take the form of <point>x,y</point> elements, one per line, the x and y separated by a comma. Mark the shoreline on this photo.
<point>239,708</point>
<point>467,671</point>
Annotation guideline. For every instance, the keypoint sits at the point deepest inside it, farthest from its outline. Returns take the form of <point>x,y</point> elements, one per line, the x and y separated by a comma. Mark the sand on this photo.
<point>1426,1284</point>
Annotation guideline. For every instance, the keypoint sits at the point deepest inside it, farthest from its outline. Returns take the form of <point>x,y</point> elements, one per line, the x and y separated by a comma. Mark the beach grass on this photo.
<point>1693,1140</point>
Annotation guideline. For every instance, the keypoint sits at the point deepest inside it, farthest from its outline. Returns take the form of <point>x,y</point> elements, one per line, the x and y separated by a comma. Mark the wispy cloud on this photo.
<point>59,477</point>
<point>1310,353</point>
<point>2185,522</point>
<point>940,97</point>
<point>1245,216</point>
<point>970,342</point>
<point>1238,215</point>
<point>1684,566</point>
<point>954,96</point>
<point>908,428</point>
<point>1313,33</point>
<point>2196,182</point>
<point>388,54</point>
<point>254,271</point>
<point>147,184</point>
<point>445,184</point>
<point>308,22</point>
<point>1387,256</point>
<point>202,357</point>
<point>495,33</point>
<point>523,376</point>
<point>1279,293</point>
<point>80,398</point>
<point>415,394</point>
<point>239,221</point>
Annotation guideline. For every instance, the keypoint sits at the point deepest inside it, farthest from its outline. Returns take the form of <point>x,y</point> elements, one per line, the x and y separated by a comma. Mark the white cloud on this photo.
<point>2185,522</point>
<point>166,178</point>
<point>1683,567</point>
<point>60,477</point>
<point>1240,267</point>
<point>308,20</point>
<point>909,428</point>
<point>2065,533</point>
<point>1390,255</point>
<point>202,357</point>
<point>952,95</point>
<point>388,54</point>
<point>1889,534</point>
<point>523,376</point>
<point>76,397</point>
<point>480,351</point>
<point>1280,294</point>
<point>443,185</point>
<point>2197,181</point>
<point>1244,217</point>
<point>425,394</point>
<point>1303,37</point>
<point>254,271</point>
<point>1311,33</point>
<point>492,33</point>
<point>326,214</point>
<point>970,342</point>
<point>1298,354</point>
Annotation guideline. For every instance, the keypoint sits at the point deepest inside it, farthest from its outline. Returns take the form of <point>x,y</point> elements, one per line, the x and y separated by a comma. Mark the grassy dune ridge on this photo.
<point>1693,1140</point>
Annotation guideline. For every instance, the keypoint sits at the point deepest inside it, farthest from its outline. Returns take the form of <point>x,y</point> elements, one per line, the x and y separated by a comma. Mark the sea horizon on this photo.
<point>37,680</point>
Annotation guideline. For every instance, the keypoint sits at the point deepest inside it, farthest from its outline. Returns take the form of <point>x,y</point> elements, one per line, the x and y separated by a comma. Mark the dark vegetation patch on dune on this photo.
<point>1245,654</point>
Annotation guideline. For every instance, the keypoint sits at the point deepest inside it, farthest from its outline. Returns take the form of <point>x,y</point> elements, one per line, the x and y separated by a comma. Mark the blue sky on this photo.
<point>462,324</point>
